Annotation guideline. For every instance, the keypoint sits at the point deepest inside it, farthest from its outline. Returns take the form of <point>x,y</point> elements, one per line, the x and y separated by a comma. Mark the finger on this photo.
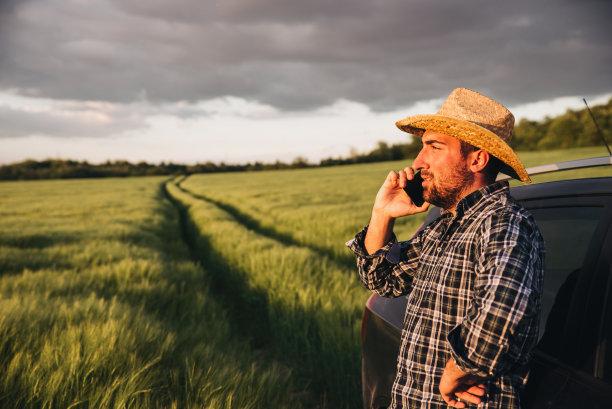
<point>402,178</point>
<point>456,403</point>
<point>392,178</point>
<point>478,390</point>
<point>453,401</point>
<point>409,172</point>
<point>424,206</point>
<point>468,397</point>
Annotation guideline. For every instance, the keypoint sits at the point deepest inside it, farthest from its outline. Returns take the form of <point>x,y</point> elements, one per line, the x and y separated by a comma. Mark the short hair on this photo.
<point>492,168</point>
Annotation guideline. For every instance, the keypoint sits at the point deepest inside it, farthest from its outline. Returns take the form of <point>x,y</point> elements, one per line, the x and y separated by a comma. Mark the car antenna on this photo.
<point>597,126</point>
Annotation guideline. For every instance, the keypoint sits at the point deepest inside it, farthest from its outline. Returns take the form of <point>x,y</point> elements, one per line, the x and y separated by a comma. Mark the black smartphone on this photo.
<point>414,189</point>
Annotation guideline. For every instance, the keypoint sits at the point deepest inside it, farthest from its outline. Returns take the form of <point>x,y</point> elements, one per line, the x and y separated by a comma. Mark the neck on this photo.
<point>477,184</point>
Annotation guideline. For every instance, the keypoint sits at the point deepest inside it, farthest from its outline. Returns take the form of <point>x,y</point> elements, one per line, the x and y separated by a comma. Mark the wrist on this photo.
<point>452,371</point>
<point>381,215</point>
<point>379,232</point>
<point>381,221</point>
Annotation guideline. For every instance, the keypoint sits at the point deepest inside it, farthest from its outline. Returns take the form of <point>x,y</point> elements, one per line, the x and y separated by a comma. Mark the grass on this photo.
<point>302,307</point>
<point>102,306</point>
<point>221,290</point>
<point>321,208</point>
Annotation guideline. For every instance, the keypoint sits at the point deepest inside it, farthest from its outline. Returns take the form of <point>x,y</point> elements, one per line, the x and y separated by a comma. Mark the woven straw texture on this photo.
<point>477,120</point>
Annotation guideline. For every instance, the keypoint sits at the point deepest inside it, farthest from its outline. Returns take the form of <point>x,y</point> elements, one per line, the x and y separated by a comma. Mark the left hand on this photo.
<point>457,386</point>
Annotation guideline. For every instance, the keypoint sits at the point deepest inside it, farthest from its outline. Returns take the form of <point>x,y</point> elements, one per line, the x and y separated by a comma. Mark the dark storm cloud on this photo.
<point>299,55</point>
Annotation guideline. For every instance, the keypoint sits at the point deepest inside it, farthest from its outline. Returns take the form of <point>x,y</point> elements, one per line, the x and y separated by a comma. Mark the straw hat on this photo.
<point>477,120</point>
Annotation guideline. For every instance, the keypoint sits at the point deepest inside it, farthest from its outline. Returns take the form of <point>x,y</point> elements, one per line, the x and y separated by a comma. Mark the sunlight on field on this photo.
<point>102,307</point>
<point>298,301</point>
<point>321,208</point>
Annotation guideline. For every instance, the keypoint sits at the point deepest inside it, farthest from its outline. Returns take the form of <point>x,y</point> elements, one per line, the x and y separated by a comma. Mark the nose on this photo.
<point>419,161</point>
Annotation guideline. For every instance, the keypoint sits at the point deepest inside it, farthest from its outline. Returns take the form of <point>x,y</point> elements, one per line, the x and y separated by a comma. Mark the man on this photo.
<point>473,277</point>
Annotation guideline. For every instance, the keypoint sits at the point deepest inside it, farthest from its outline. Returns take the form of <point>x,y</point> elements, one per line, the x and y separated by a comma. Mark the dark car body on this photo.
<point>572,364</point>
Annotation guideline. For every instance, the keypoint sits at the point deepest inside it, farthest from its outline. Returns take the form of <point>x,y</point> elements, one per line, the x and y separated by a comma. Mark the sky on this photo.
<point>238,81</point>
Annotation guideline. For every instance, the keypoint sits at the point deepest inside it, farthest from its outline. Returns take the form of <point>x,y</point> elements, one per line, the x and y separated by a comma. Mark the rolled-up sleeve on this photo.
<point>501,324</point>
<point>389,271</point>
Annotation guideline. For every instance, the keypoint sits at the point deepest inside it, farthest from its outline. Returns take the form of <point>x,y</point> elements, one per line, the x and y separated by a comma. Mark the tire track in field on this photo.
<point>247,316</point>
<point>228,283</point>
<point>255,225</point>
<point>326,368</point>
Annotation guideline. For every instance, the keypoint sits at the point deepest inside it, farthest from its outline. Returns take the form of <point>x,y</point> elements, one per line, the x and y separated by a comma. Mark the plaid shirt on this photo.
<point>473,284</point>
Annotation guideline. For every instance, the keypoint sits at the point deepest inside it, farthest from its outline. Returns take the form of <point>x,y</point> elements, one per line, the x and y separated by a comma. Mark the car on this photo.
<point>572,363</point>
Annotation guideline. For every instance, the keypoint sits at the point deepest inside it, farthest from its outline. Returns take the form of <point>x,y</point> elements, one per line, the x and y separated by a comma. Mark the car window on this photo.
<point>567,233</point>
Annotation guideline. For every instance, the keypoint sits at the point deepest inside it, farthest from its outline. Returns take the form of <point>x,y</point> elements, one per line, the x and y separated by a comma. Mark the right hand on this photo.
<point>391,200</point>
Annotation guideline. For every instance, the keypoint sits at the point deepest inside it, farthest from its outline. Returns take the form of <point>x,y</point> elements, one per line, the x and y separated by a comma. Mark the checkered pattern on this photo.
<point>473,284</point>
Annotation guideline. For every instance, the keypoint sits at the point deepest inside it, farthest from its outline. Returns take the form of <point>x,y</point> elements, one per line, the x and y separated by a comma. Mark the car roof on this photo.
<point>563,188</point>
<point>569,187</point>
<point>567,165</point>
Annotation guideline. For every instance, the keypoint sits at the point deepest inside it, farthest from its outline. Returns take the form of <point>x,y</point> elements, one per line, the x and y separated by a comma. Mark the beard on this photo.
<point>445,190</point>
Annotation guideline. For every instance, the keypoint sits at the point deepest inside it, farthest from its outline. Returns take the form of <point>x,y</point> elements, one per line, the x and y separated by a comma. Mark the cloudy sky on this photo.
<point>243,80</point>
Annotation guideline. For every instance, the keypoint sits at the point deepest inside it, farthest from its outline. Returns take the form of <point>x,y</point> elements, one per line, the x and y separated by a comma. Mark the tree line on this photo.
<point>569,130</point>
<point>574,128</point>
<point>68,169</point>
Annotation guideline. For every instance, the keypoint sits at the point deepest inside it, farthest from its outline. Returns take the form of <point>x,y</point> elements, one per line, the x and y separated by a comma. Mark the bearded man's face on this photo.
<point>446,186</point>
<point>444,169</point>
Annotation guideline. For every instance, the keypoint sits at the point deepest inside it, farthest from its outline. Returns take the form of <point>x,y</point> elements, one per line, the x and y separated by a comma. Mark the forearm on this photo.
<point>379,232</point>
<point>389,270</point>
<point>501,326</point>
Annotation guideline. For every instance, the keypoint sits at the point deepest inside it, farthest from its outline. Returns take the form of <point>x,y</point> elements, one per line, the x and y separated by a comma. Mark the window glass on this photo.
<point>567,232</point>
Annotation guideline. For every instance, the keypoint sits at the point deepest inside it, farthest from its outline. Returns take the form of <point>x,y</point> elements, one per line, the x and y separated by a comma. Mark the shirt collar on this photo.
<point>472,200</point>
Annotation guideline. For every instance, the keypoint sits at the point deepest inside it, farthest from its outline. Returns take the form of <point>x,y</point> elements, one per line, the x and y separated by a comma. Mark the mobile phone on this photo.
<point>414,189</point>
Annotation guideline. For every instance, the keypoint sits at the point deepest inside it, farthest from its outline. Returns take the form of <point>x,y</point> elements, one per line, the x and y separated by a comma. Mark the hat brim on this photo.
<point>471,133</point>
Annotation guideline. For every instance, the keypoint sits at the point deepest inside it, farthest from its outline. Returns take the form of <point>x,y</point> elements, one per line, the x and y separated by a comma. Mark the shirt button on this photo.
<point>439,249</point>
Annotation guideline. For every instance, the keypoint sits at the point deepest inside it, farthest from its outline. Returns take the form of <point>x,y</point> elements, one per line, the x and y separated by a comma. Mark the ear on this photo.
<point>478,160</point>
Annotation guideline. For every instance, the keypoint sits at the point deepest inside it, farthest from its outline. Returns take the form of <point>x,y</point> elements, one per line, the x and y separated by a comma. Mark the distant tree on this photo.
<point>563,132</point>
<point>527,134</point>
<point>300,162</point>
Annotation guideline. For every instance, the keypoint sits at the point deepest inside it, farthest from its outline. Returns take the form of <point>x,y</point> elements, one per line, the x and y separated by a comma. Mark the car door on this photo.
<point>570,366</point>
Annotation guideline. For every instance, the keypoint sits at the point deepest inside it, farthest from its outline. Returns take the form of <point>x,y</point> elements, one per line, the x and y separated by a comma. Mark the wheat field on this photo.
<point>218,291</point>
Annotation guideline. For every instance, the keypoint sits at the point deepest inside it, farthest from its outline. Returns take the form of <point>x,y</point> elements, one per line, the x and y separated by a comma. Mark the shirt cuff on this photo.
<point>390,251</point>
<point>460,355</point>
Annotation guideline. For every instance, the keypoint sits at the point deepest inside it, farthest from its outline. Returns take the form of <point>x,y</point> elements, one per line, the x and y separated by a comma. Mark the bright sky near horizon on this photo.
<point>263,80</point>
